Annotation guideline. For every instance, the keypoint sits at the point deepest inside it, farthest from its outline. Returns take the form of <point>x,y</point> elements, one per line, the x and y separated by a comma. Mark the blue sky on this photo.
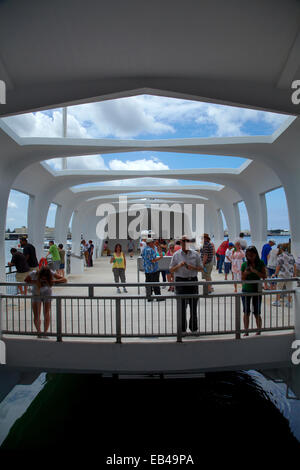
<point>149,117</point>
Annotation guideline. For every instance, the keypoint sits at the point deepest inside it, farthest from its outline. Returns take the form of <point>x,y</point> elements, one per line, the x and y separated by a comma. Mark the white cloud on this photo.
<point>42,124</point>
<point>143,164</point>
<point>121,118</point>
<point>138,165</point>
<point>86,162</point>
<point>142,182</point>
<point>12,205</point>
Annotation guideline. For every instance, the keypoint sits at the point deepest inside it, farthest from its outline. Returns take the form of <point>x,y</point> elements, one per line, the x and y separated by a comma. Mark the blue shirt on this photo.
<point>264,253</point>
<point>148,254</point>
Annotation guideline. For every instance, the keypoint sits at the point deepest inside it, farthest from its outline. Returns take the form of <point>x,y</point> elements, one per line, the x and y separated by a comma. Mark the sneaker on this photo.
<point>276,303</point>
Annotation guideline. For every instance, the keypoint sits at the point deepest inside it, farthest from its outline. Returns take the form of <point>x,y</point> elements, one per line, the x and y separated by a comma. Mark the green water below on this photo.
<point>88,414</point>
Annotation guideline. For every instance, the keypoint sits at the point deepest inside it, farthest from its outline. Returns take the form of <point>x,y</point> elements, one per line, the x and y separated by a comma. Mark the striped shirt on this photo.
<point>208,250</point>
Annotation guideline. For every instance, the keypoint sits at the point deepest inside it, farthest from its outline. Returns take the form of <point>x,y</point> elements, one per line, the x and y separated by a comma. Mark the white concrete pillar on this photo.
<point>76,233</point>
<point>228,212</point>
<point>5,186</point>
<point>58,226</point>
<point>38,220</point>
<point>292,192</point>
<point>257,213</point>
<point>237,219</point>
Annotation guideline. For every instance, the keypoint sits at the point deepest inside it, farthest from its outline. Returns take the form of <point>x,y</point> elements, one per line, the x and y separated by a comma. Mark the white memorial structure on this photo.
<point>214,51</point>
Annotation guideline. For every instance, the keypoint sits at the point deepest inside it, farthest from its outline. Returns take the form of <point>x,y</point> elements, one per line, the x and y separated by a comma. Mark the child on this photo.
<point>227,262</point>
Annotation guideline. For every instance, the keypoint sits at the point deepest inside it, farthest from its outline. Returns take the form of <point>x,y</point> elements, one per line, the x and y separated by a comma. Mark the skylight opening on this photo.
<point>147,162</point>
<point>148,183</point>
<point>146,117</point>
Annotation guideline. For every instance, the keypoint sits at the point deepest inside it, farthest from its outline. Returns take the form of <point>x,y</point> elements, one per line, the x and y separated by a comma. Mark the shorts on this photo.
<point>284,285</point>
<point>237,276</point>
<point>256,304</point>
<point>227,267</point>
<point>21,276</point>
<point>37,299</point>
<point>271,271</point>
<point>62,266</point>
<point>55,265</point>
<point>207,275</point>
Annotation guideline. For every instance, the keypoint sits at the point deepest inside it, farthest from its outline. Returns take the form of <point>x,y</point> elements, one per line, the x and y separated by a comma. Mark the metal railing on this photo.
<point>10,275</point>
<point>133,316</point>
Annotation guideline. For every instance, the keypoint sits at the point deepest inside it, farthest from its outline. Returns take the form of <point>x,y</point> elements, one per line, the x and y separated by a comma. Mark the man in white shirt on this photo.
<point>241,241</point>
<point>185,265</point>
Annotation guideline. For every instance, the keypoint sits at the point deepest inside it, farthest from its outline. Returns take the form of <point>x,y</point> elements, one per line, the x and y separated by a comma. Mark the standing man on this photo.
<point>130,247</point>
<point>221,252</point>
<point>266,250</point>
<point>62,254</point>
<point>19,261</point>
<point>241,241</point>
<point>185,265</point>
<point>29,253</point>
<point>151,267</point>
<point>264,255</point>
<point>54,252</point>
<point>90,253</point>
<point>207,258</point>
<point>285,269</point>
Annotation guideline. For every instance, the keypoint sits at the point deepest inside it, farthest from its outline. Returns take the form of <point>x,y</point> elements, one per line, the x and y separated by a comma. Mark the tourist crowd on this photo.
<point>237,259</point>
<point>243,262</point>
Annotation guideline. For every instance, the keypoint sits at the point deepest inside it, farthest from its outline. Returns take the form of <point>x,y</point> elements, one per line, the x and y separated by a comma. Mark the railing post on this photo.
<point>58,320</point>
<point>179,320</point>
<point>118,320</point>
<point>237,317</point>
<point>205,289</point>
<point>91,291</point>
<point>297,312</point>
<point>1,315</point>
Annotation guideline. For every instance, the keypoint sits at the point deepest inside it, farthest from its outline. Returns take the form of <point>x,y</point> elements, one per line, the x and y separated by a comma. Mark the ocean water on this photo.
<point>89,413</point>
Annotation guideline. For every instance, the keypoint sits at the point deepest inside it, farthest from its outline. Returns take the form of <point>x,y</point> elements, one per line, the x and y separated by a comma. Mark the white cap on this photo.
<point>149,240</point>
<point>272,240</point>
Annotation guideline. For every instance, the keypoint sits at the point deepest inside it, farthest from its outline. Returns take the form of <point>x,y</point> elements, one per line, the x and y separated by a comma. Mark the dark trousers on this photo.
<point>152,277</point>
<point>256,304</point>
<point>185,290</point>
<point>221,261</point>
